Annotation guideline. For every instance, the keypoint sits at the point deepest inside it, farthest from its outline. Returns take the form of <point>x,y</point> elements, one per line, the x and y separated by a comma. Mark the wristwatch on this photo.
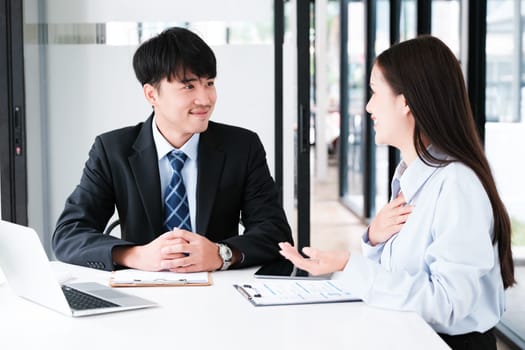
<point>226,255</point>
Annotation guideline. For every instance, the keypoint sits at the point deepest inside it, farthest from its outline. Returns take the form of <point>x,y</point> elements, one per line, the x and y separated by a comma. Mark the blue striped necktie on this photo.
<point>176,209</point>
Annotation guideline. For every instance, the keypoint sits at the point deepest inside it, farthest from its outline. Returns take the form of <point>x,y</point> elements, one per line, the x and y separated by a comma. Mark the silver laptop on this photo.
<point>29,274</point>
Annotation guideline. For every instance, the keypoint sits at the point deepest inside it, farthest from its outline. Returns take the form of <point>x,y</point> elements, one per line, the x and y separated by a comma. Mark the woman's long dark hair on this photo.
<point>429,76</point>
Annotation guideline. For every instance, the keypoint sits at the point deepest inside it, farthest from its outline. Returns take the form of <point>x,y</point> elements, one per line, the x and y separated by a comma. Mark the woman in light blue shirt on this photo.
<point>441,247</point>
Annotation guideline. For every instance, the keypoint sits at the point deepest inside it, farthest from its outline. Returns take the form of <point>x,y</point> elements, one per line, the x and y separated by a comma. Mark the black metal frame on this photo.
<point>13,165</point>
<point>477,62</point>
<point>369,155</point>
<point>278,22</point>
<point>303,121</point>
<point>343,99</point>
<point>424,16</point>
<point>395,17</point>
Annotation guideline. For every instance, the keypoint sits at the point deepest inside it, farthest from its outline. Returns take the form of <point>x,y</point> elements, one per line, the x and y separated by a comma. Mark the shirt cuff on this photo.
<point>370,251</point>
<point>358,275</point>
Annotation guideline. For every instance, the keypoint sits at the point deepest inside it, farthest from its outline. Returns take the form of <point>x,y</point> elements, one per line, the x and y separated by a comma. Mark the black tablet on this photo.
<point>285,269</point>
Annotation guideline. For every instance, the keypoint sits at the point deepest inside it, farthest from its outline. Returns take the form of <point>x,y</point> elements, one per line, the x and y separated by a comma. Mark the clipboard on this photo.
<point>292,292</point>
<point>139,278</point>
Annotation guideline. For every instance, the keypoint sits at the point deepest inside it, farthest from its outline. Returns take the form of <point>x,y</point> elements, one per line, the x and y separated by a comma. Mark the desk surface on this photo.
<point>213,317</point>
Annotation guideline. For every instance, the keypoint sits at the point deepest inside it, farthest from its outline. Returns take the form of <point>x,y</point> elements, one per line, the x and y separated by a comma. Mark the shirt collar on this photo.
<point>412,178</point>
<point>164,147</point>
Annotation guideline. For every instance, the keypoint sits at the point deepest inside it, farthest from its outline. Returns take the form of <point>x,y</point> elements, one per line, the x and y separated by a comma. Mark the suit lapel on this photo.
<point>145,168</point>
<point>210,165</point>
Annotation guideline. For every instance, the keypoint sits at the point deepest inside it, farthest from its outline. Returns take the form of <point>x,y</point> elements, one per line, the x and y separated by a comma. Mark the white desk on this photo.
<point>214,317</point>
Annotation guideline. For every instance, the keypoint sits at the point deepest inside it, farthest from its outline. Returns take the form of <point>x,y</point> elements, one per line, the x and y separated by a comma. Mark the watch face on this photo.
<point>225,252</point>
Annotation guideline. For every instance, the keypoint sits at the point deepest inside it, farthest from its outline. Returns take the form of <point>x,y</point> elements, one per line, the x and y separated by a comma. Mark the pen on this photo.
<point>243,291</point>
<point>256,292</point>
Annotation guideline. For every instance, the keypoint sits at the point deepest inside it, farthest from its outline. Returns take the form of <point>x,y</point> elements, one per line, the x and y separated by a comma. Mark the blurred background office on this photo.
<point>296,72</point>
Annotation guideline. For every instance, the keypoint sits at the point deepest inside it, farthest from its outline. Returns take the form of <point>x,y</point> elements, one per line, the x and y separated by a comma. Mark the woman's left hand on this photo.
<point>319,262</point>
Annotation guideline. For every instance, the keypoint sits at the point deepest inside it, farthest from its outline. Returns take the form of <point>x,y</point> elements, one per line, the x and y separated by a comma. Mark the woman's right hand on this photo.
<point>319,262</point>
<point>389,220</point>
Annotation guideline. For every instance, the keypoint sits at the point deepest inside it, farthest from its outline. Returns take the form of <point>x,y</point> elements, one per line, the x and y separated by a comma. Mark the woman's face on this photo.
<point>393,121</point>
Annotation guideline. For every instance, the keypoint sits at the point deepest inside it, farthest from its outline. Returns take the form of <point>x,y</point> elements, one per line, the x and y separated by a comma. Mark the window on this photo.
<point>504,128</point>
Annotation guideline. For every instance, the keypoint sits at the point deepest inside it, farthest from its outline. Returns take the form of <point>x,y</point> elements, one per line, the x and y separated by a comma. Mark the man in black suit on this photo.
<point>225,174</point>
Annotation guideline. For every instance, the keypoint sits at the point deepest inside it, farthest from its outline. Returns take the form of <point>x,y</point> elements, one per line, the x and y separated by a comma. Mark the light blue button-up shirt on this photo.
<point>189,171</point>
<point>442,263</point>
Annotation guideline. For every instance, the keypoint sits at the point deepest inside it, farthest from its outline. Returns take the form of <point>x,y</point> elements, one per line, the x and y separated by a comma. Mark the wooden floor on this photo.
<point>332,225</point>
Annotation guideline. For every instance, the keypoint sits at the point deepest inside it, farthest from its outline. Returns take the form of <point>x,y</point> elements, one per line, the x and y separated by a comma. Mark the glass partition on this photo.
<point>447,30</point>
<point>356,95</point>
<point>80,81</point>
<point>505,127</point>
<point>408,20</point>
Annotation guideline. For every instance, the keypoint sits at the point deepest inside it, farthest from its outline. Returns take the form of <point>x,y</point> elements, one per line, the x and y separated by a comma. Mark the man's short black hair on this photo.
<point>172,54</point>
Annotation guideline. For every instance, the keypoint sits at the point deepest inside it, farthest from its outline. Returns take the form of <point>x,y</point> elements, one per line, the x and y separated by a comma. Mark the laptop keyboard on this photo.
<point>82,301</point>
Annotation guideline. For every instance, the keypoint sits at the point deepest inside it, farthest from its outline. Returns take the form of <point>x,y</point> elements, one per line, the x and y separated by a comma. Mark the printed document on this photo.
<point>286,292</point>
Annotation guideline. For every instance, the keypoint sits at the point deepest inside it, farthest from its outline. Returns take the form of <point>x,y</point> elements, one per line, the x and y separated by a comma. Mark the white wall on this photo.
<point>101,11</point>
<point>245,91</point>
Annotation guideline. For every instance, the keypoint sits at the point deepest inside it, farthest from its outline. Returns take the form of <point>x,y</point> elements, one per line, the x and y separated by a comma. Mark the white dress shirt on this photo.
<point>442,263</point>
<point>189,171</point>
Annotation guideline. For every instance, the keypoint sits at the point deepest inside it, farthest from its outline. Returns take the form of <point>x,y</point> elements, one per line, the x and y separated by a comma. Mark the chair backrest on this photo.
<point>111,226</point>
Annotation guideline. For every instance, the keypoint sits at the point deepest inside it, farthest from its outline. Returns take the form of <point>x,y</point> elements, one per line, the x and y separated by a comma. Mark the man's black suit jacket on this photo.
<point>122,171</point>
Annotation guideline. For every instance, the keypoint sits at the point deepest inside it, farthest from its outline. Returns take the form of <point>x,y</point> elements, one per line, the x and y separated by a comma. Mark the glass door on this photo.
<point>353,183</point>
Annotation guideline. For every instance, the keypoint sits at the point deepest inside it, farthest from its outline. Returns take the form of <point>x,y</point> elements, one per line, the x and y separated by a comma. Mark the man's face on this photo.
<point>182,107</point>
